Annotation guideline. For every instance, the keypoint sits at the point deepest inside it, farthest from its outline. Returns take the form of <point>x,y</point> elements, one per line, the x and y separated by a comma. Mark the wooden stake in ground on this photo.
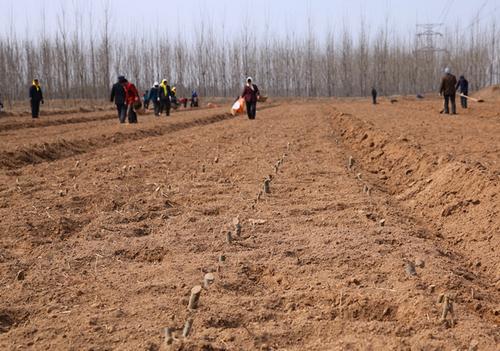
<point>195,297</point>
<point>448,308</point>
<point>208,280</point>
<point>187,327</point>
<point>267,188</point>
<point>350,163</point>
<point>169,339</point>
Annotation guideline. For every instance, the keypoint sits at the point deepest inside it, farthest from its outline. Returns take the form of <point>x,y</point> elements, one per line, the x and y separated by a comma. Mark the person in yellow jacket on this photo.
<point>165,94</point>
<point>36,97</point>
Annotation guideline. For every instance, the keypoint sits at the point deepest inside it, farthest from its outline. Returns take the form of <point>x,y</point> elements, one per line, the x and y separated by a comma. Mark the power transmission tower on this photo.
<point>426,35</point>
<point>428,55</point>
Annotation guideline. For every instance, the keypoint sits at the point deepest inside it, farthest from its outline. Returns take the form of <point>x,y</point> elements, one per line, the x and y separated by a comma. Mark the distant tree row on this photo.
<point>82,61</point>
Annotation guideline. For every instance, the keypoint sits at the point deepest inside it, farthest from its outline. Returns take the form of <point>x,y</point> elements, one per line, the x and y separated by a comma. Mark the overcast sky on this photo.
<point>142,17</point>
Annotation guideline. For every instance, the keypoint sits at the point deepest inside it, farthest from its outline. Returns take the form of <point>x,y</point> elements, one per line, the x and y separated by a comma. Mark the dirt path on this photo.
<point>101,249</point>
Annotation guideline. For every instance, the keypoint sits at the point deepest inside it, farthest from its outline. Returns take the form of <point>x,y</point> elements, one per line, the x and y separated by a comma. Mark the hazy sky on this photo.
<point>142,17</point>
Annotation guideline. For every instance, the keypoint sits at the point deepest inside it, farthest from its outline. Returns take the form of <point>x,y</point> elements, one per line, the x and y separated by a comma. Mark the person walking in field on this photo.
<point>374,95</point>
<point>463,88</point>
<point>36,97</point>
<point>194,99</point>
<point>165,94</point>
<point>154,96</point>
<point>118,96</point>
<point>173,98</point>
<point>251,95</point>
<point>133,101</point>
<point>146,99</point>
<point>448,89</point>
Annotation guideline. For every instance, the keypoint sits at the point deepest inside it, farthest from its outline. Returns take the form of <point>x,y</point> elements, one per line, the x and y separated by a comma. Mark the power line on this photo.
<point>444,12</point>
<point>451,2</point>
<point>476,18</point>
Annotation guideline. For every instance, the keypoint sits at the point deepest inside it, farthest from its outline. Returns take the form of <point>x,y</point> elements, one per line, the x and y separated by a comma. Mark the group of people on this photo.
<point>127,100</point>
<point>161,95</point>
<point>448,89</point>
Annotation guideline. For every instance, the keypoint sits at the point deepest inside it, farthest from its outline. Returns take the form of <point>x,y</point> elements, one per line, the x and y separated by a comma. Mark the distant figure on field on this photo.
<point>1,104</point>
<point>251,94</point>
<point>154,95</point>
<point>374,95</point>
<point>449,91</point>
<point>184,102</point>
<point>133,101</point>
<point>463,88</point>
<point>146,99</point>
<point>36,97</point>
<point>118,96</point>
<point>194,99</point>
<point>173,97</point>
<point>165,94</point>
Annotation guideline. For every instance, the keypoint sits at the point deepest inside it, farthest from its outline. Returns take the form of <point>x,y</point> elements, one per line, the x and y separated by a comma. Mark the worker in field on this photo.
<point>251,95</point>
<point>374,95</point>
<point>154,96</point>
<point>173,97</point>
<point>118,96</point>
<point>194,99</point>
<point>448,89</point>
<point>1,104</point>
<point>132,100</point>
<point>165,94</point>
<point>36,97</point>
<point>463,88</point>
<point>146,99</point>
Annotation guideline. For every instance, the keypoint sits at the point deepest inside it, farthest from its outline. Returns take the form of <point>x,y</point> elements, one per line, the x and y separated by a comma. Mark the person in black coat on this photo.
<point>463,88</point>
<point>36,97</point>
<point>374,95</point>
<point>118,95</point>
<point>165,94</point>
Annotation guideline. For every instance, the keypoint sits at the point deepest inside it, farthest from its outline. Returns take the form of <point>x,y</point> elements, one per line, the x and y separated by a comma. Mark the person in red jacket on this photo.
<point>251,94</point>
<point>132,100</point>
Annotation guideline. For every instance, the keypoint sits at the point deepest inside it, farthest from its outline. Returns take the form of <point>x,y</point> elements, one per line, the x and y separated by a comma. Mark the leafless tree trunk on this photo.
<point>80,58</point>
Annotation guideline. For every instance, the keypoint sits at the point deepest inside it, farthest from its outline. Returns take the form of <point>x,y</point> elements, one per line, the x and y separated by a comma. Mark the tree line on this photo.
<point>81,61</point>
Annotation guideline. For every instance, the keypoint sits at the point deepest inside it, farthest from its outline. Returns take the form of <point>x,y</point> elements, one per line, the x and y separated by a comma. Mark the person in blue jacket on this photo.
<point>194,99</point>
<point>463,88</point>
<point>154,95</point>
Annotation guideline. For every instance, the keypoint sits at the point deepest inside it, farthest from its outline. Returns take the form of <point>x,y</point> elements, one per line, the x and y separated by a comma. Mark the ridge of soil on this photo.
<point>100,250</point>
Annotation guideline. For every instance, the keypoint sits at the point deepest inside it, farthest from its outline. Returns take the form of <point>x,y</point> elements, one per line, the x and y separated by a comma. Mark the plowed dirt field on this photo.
<point>380,231</point>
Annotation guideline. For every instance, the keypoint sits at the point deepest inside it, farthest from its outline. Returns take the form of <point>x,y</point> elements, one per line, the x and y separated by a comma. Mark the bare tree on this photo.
<point>79,58</point>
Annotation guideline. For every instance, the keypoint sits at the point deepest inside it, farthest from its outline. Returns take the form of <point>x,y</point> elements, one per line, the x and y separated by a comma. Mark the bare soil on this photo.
<point>378,218</point>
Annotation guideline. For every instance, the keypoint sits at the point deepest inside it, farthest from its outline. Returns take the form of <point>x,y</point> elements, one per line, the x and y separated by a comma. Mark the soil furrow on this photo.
<point>102,249</point>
